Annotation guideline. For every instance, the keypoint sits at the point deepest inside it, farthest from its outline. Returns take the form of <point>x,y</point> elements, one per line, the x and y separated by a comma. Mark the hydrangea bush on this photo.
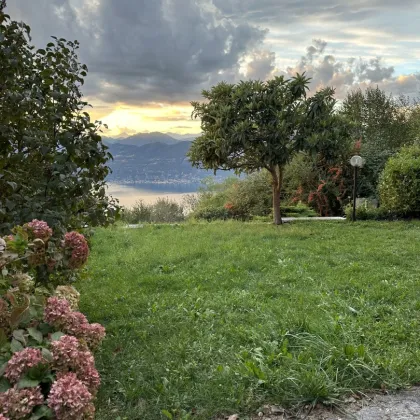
<point>47,368</point>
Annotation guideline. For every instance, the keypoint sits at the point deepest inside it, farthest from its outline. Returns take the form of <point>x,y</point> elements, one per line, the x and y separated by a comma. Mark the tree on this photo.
<point>258,125</point>
<point>53,163</point>
<point>380,121</point>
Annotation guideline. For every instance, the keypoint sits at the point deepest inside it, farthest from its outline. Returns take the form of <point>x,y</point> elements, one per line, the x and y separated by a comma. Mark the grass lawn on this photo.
<point>221,318</point>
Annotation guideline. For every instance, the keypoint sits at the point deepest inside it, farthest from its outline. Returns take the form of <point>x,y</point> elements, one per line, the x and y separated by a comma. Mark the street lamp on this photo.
<point>357,162</point>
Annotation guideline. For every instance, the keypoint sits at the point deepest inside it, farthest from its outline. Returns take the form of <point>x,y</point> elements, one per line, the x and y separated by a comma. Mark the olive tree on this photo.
<point>256,125</point>
<point>53,163</point>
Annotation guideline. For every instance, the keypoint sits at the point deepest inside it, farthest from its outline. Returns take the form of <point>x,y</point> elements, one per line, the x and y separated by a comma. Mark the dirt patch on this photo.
<point>403,405</point>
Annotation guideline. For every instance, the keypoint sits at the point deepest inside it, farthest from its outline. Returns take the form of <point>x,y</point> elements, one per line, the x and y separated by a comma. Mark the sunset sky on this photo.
<point>148,59</point>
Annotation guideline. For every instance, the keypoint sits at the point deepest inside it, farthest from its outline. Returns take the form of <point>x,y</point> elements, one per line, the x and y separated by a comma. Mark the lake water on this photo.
<point>149,193</point>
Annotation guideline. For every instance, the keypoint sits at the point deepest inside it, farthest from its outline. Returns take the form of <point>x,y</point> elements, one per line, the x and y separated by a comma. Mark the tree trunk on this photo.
<point>277,175</point>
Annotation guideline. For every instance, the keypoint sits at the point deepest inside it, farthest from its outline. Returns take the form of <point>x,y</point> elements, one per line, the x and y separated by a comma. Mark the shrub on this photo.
<point>47,369</point>
<point>399,185</point>
<point>163,210</point>
<point>53,163</point>
<point>368,212</point>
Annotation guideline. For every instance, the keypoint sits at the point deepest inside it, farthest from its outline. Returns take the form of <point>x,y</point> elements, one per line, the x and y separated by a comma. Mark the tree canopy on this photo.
<point>53,163</point>
<point>255,125</point>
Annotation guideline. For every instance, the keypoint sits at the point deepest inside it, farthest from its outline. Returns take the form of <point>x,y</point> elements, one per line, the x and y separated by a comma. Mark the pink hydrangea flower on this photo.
<point>56,311</point>
<point>66,352</point>
<point>69,399</point>
<point>70,355</point>
<point>19,403</point>
<point>40,229</point>
<point>93,334</point>
<point>75,324</point>
<point>3,418</point>
<point>78,245</point>
<point>21,362</point>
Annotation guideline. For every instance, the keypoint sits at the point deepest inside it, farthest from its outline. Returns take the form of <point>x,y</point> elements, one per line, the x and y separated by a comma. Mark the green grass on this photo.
<point>221,318</point>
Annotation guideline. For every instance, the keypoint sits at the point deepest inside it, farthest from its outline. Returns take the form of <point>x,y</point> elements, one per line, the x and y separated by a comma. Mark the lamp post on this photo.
<point>357,162</point>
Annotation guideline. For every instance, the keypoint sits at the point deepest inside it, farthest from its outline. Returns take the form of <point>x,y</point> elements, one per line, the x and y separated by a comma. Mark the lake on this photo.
<point>149,193</point>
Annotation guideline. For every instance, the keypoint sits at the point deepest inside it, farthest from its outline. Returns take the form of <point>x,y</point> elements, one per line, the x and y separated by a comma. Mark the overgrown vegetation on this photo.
<point>163,210</point>
<point>214,319</point>
<point>53,163</point>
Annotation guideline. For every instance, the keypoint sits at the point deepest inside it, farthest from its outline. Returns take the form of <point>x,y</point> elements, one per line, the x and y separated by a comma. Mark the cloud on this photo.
<point>142,50</point>
<point>325,69</point>
<point>148,53</point>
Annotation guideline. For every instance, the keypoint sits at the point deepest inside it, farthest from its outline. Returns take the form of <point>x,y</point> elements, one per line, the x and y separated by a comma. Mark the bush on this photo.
<point>244,199</point>
<point>367,212</point>
<point>163,210</point>
<point>45,344</point>
<point>399,185</point>
<point>53,163</point>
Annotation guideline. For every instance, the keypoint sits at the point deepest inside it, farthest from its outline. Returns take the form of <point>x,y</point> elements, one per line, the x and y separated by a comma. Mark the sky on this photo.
<point>148,59</point>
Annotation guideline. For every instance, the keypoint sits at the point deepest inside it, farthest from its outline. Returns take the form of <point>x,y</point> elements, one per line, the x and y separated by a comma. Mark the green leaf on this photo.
<point>3,368</point>
<point>28,383</point>
<point>167,414</point>
<point>20,336</point>
<point>47,355</point>
<point>40,412</point>
<point>56,336</point>
<point>36,334</point>
<point>15,346</point>
<point>4,385</point>
<point>41,51</point>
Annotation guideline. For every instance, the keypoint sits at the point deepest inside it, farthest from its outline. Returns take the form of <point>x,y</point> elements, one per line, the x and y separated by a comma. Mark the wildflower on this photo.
<point>56,311</point>
<point>69,399</point>
<point>77,243</point>
<point>39,229</point>
<point>21,362</point>
<point>19,403</point>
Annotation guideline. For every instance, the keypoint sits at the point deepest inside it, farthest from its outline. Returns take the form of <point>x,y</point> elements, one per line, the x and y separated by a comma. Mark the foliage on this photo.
<point>258,125</point>
<point>53,163</point>
<point>242,199</point>
<point>399,186</point>
<point>49,260</point>
<point>369,212</point>
<point>229,316</point>
<point>163,210</point>
<point>382,123</point>
<point>47,369</point>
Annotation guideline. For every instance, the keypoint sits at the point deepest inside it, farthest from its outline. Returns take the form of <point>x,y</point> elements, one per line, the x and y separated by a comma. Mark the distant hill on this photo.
<point>140,139</point>
<point>153,158</point>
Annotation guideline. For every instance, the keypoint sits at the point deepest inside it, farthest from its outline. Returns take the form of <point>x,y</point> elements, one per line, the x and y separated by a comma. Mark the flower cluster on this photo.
<point>39,229</point>
<point>21,362</point>
<point>18,403</point>
<point>59,314</point>
<point>56,312</point>
<point>69,399</point>
<point>70,294</point>
<point>71,356</point>
<point>77,244</point>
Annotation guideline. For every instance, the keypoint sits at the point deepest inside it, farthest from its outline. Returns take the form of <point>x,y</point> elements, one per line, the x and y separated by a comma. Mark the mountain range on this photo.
<point>152,158</point>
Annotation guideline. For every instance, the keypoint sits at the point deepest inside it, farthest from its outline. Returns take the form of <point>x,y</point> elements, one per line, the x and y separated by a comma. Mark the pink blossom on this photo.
<point>19,403</point>
<point>2,417</point>
<point>93,334</point>
<point>21,362</point>
<point>78,245</point>
<point>75,324</point>
<point>66,352</point>
<point>39,229</point>
<point>56,311</point>
<point>70,355</point>
<point>69,399</point>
